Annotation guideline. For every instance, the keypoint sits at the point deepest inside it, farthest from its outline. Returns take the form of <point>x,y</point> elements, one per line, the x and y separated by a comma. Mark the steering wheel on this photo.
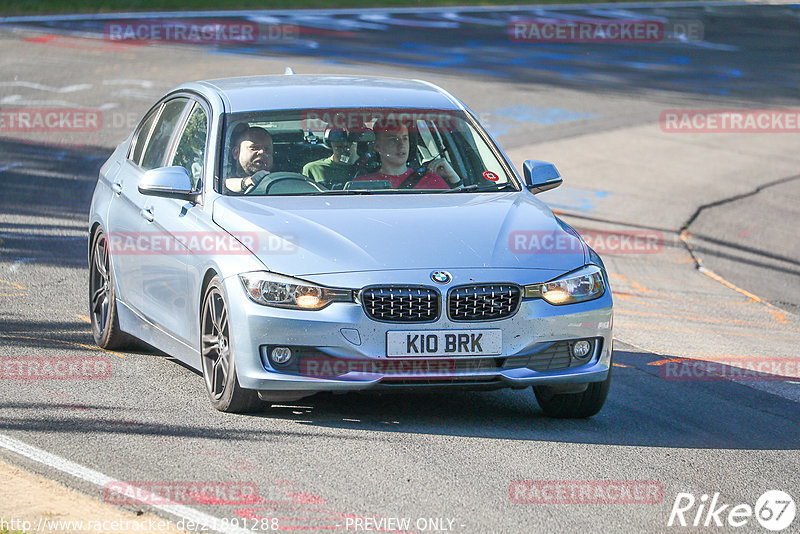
<point>264,180</point>
<point>310,187</point>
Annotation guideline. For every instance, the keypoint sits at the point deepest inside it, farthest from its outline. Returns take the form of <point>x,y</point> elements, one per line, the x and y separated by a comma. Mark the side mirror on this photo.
<point>540,176</point>
<point>169,182</point>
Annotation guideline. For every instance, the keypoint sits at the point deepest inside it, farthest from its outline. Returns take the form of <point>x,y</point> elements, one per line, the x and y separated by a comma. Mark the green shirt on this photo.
<point>329,172</point>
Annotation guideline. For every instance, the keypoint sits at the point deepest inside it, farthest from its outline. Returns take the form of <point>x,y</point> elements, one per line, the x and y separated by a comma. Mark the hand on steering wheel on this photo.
<point>255,180</point>
<point>442,167</point>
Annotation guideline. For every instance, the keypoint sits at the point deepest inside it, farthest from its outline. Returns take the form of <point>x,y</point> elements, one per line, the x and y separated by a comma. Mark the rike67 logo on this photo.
<point>774,510</point>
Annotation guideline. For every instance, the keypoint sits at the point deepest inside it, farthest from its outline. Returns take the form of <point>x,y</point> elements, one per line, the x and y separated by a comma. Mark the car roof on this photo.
<point>256,93</point>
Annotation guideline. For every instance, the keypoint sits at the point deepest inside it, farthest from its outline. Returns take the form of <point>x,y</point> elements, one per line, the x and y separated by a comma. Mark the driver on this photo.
<point>251,151</point>
<point>392,144</point>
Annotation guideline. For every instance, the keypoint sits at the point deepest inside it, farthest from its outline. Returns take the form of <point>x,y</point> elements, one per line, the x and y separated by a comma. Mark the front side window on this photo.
<point>358,151</point>
<point>191,149</point>
<point>157,146</point>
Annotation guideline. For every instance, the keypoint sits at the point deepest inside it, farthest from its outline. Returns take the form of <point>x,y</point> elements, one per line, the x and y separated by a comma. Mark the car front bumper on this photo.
<point>355,346</point>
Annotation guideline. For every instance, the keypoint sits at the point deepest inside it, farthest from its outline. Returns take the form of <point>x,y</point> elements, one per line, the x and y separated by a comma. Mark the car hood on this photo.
<point>307,235</point>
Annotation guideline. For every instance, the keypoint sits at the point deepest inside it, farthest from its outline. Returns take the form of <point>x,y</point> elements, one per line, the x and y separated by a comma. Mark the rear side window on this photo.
<point>140,139</point>
<point>163,129</point>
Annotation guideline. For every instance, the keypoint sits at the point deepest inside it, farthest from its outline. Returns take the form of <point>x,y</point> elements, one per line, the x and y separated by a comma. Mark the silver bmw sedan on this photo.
<point>287,235</point>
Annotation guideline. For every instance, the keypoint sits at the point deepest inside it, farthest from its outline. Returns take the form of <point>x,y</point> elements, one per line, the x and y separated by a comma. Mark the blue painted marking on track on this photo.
<point>497,132</point>
<point>574,198</point>
<point>540,115</point>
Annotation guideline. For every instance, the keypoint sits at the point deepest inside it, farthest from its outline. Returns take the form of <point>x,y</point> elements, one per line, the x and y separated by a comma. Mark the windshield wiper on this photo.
<point>344,192</point>
<point>375,192</point>
<point>461,189</point>
<point>476,187</point>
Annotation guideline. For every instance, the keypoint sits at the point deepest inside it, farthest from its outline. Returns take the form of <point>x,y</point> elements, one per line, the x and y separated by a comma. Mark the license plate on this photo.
<point>444,343</point>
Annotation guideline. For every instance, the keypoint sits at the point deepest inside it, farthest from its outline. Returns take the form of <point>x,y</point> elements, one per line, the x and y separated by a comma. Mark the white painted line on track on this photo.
<point>144,84</point>
<point>30,237</point>
<point>50,88</point>
<point>99,479</point>
<point>19,100</point>
<point>18,262</point>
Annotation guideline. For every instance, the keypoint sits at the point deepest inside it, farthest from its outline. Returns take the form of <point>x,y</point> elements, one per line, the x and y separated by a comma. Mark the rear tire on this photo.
<point>574,405</point>
<point>218,362</point>
<point>102,297</point>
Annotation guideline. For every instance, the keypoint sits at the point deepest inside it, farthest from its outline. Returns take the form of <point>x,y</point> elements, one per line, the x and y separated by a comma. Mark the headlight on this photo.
<point>579,286</point>
<point>272,289</point>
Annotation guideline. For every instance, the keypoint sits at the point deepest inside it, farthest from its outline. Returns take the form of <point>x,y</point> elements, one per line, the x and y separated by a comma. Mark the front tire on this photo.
<point>574,405</point>
<point>218,362</point>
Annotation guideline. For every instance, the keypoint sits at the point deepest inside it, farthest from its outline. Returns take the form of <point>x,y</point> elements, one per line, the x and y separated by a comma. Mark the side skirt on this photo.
<point>136,325</point>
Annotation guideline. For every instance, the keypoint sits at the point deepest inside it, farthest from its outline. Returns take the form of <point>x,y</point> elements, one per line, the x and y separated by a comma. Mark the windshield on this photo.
<point>358,151</point>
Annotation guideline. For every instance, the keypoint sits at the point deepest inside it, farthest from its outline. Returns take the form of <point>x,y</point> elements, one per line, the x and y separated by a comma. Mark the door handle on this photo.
<point>117,188</point>
<point>147,214</point>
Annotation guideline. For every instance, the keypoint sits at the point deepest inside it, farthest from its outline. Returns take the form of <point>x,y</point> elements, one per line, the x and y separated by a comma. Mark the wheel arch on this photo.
<point>210,273</point>
<point>92,230</point>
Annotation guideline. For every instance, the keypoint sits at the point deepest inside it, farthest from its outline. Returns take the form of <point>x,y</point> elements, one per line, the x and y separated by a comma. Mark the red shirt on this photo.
<point>429,181</point>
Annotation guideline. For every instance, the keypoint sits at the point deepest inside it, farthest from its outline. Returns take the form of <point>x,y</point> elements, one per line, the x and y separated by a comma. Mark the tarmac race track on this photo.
<point>722,284</point>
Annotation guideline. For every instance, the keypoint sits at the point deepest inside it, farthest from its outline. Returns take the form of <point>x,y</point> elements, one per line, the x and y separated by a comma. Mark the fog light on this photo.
<point>280,355</point>
<point>580,349</point>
